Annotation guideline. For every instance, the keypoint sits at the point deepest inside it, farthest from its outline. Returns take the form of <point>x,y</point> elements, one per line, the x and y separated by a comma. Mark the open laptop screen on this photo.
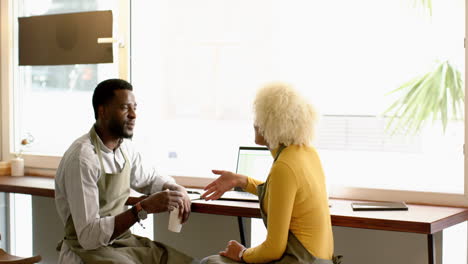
<point>254,162</point>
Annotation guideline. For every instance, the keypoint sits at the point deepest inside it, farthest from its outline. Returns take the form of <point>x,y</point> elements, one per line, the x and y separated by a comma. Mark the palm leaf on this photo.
<point>438,94</point>
<point>425,3</point>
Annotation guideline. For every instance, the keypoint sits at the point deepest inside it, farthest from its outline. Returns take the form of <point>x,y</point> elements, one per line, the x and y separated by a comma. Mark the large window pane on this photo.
<point>53,103</point>
<point>3,221</point>
<point>196,71</point>
<point>20,227</point>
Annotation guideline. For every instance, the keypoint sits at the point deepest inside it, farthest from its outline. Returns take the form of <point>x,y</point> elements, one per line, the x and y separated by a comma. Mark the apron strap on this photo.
<point>281,147</point>
<point>94,140</point>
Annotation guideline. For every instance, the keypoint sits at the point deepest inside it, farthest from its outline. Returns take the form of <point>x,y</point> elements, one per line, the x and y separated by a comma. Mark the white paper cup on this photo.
<point>17,167</point>
<point>175,223</point>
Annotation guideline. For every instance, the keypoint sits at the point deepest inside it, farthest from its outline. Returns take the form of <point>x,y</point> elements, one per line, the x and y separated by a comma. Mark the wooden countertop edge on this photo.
<point>39,191</point>
<point>381,224</point>
<point>449,221</point>
<point>26,185</point>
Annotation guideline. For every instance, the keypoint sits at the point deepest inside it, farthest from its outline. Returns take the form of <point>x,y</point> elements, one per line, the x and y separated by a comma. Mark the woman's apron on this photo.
<point>295,252</point>
<point>114,190</point>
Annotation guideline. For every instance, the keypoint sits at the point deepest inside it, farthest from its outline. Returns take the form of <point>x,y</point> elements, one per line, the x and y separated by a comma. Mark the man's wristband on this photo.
<point>241,254</point>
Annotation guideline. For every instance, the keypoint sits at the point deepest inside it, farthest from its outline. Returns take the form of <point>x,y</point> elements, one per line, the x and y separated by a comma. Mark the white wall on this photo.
<point>208,234</point>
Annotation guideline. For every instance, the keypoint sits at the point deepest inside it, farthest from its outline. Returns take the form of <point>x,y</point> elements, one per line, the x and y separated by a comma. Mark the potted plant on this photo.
<point>17,163</point>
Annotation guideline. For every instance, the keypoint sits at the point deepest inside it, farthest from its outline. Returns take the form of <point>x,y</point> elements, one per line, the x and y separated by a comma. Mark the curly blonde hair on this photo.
<point>283,116</point>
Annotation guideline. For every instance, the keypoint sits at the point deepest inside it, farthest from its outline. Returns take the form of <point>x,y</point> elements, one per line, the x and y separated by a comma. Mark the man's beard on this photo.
<point>118,129</point>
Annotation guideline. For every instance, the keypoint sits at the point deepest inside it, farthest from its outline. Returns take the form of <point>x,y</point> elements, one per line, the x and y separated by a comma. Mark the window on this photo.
<point>52,100</point>
<point>455,243</point>
<point>196,73</point>
<point>20,224</point>
<point>46,101</point>
<point>3,219</point>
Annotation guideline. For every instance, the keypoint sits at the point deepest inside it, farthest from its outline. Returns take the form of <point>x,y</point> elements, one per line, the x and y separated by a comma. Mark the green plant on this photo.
<point>438,94</point>
<point>425,3</point>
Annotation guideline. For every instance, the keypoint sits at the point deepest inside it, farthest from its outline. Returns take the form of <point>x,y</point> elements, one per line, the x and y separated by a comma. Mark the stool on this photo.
<point>6,258</point>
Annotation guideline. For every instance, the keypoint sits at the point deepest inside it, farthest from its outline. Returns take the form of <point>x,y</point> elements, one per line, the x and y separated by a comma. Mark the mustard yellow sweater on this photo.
<point>296,201</point>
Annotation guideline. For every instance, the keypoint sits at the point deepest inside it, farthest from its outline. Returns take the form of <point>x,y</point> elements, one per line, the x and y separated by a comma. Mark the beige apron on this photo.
<point>114,190</point>
<point>295,252</point>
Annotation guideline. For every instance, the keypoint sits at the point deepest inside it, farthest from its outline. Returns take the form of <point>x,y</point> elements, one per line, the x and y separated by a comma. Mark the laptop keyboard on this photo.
<point>238,195</point>
<point>229,195</point>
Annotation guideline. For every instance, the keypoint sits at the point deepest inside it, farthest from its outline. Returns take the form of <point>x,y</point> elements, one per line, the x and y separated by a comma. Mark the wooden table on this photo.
<point>422,219</point>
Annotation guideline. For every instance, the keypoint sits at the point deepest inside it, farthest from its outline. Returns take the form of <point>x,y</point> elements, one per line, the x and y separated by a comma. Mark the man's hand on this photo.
<point>184,213</point>
<point>162,201</point>
<point>225,182</point>
<point>232,250</point>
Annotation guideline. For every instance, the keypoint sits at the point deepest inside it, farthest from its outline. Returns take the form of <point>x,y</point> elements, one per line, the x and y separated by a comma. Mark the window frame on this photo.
<point>46,165</point>
<point>42,164</point>
<point>5,74</point>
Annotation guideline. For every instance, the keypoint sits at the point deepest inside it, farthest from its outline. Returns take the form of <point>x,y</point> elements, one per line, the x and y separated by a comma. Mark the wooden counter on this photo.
<point>421,219</point>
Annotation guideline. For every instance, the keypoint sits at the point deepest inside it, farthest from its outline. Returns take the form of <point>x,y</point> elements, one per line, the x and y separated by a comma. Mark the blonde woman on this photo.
<point>293,200</point>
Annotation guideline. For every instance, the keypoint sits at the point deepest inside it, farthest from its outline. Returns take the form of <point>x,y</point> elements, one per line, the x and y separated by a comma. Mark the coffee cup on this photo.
<point>175,223</point>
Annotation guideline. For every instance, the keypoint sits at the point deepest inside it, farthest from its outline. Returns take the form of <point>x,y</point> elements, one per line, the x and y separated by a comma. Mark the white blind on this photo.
<point>348,132</point>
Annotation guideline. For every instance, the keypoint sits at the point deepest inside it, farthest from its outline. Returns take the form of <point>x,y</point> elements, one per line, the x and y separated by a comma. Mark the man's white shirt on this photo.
<point>76,191</point>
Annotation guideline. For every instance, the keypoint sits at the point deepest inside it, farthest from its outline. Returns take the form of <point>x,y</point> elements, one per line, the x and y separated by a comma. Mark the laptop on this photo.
<point>254,162</point>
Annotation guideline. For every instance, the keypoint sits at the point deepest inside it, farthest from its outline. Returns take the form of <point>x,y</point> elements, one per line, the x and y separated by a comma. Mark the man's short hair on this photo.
<point>104,92</point>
